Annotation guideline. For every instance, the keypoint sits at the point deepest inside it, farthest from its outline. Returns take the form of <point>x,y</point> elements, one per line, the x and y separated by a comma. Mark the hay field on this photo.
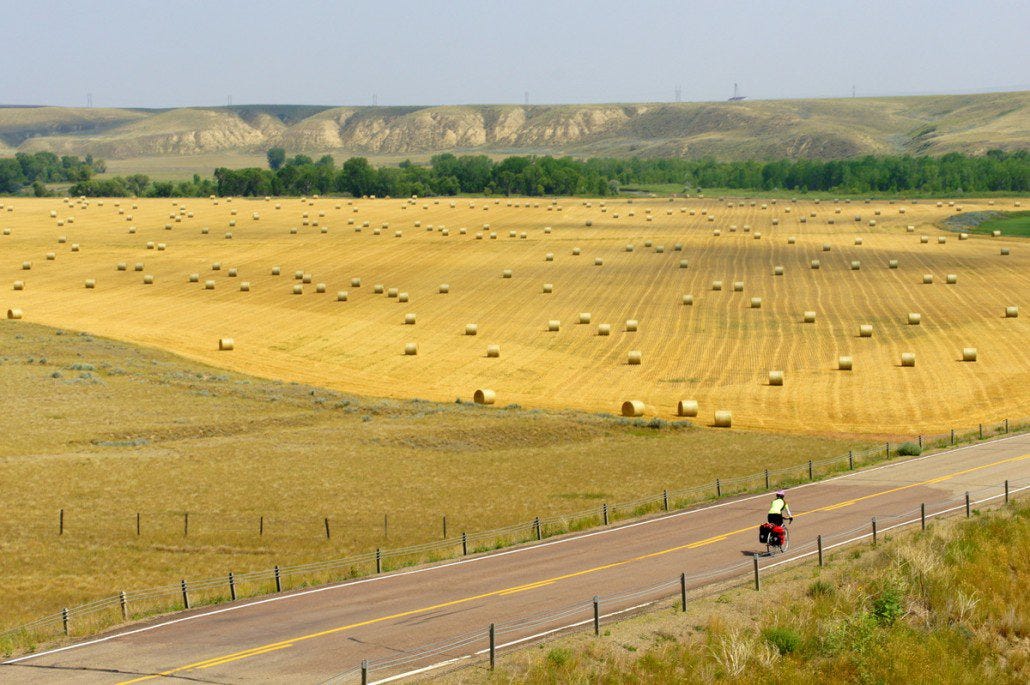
<point>718,351</point>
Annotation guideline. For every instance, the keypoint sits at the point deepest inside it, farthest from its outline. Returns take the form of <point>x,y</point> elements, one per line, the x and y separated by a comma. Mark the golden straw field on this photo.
<point>718,350</point>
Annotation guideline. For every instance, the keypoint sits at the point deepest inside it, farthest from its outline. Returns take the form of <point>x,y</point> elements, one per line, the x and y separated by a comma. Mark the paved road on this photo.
<point>307,636</point>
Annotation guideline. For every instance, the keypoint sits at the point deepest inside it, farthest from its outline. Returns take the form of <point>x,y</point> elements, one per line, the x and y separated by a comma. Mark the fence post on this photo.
<point>123,603</point>
<point>968,514</point>
<point>920,438</point>
<point>597,615</point>
<point>851,460</point>
<point>185,523</point>
<point>952,436</point>
<point>64,620</point>
<point>604,513</point>
<point>665,500</point>
<point>327,534</point>
<point>981,431</point>
<point>261,525</point>
<point>874,531</point>
<point>137,523</point>
<point>819,543</point>
<point>1006,425</point>
<point>1006,492</point>
<point>445,526</point>
<point>60,523</point>
<point>536,525</point>
<point>185,594</point>
<point>364,672</point>
<point>493,647</point>
<point>887,449</point>
<point>379,560</point>
<point>683,591</point>
<point>718,488</point>
<point>758,578</point>
<point>811,475</point>
<point>464,544</point>
<point>922,516</point>
<point>232,586</point>
<point>278,579</point>
<point>767,479</point>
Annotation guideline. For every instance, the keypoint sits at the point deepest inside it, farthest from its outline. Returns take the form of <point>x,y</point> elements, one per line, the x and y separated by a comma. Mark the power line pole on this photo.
<point>679,93</point>
<point>375,99</point>
<point>89,100</point>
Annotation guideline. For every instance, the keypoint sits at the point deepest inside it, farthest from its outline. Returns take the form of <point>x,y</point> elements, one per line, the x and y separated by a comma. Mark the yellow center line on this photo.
<point>264,649</point>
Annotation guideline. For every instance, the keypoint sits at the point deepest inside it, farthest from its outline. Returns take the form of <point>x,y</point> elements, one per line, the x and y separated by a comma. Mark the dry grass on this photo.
<point>717,351</point>
<point>949,605</point>
<point>124,429</point>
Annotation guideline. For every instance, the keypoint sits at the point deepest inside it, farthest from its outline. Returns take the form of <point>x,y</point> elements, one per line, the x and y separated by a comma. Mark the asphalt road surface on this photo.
<point>309,635</point>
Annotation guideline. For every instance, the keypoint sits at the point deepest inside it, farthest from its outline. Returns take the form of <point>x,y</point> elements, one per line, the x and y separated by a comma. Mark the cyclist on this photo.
<point>779,510</point>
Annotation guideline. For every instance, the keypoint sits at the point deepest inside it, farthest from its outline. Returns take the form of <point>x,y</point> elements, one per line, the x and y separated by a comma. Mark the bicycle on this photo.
<point>774,542</point>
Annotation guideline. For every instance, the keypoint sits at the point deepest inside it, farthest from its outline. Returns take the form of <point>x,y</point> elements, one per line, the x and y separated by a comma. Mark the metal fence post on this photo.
<point>981,431</point>
<point>597,615</point>
<point>124,604</point>
<point>922,516</point>
<point>60,523</point>
<point>464,544</point>
<point>851,460</point>
<point>232,586</point>
<point>920,438</point>
<point>968,514</point>
<point>64,619</point>
<point>445,526</point>
<point>185,594</point>
<point>819,543</point>
<point>874,531</point>
<point>364,672</point>
<point>278,579</point>
<point>887,449</point>
<point>811,475</point>
<point>665,500</point>
<point>758,578</point>
<point>767,479</point>
<point>952,436</point>
<point>493,647</point>
<point>327,535</point>
<point>1006,425</point>
<point>379,560</point>
<point>604,513</point>
<point>185,523</point>
<point>261,525</point>
<point>1006,492</point>
<point>718,487</point>
<point>536,525</point>
<point>683,591</point>
<point>137,523</point>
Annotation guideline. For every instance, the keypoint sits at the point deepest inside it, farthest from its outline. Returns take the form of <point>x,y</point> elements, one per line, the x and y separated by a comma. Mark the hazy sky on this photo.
<point>184,52</point>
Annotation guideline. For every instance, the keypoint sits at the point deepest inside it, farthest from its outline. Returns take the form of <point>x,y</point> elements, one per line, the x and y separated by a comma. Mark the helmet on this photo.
<point>781,493</point>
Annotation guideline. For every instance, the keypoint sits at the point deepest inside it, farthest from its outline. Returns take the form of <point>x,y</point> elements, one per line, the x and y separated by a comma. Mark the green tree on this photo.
<point>276,158</point>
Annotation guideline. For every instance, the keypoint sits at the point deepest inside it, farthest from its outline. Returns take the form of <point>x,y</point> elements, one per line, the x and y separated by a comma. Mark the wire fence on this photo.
<point>92,617</point>
<point>485,643</point>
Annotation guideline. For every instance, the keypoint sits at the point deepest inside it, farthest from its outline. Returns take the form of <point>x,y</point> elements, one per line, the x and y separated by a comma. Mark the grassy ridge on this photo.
<point>948,605</point>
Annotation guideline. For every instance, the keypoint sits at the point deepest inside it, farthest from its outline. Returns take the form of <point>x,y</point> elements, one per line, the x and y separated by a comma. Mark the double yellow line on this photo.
<point>275,646</point>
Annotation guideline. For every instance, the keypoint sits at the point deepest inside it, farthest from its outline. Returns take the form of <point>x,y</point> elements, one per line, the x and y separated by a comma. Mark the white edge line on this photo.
<point>516,550</point>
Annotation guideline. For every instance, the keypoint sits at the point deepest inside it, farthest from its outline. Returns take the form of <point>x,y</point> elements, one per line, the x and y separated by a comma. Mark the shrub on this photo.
<point>888,605</point>
<point>820,588</point>
<point>909,449</point>
<point>559,656</point>
<point>786,640</point>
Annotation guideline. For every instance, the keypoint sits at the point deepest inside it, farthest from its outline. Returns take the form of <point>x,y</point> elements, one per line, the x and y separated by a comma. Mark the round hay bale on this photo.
<point>161,247</point>
<point>775,222</point>
<point>631,325</point>
<point>856,265</point>
<point>716,285</point>
<point>927,279</point>
<point>924,239</point>
<point>775,378</point>
<point>969,354</point>
<point>688,299</point>
<point>756,303</point>
<point>471,329</point>
<point>738,286</point>
<point>410,349</point>
<point>941,240</point>
<point>484,396</point>
<point>1005,252</point>
<point>121,266</point>
<point>892,264</point>
<point>908,359</point>
<point>209,285</point>
<point>409,319</point>
<point>910,229</point>
<point>598,261</point>
<point>1011,312</point>
<point>320,287</point>
<point>686,408</point>
<point>815,263</point>
<point>858,241</point>
<point>193,278</point>
<point>723,419</point>
<point>26,266</point>
<point>584,317</point>
<point>547,230</point>
<point>844,364</point>
<point>777,271</point>
<point>809,317</point>
<point>716,232</point>
<point>576,251</point>
<point>633,408</point>
<point>758,235</point>
<point>914,319</point>
<point>865,330</point>
<point>377,289</point>
<point>629,248</point>
<point>548,288</point>
<point>51,256</point>
<point>684,264</point>
<point>604,329</point>
<point>205,231</point>
<point>963,236</point>
<point>18,285</point>
<point>245,287</point>
<point>392,292</point>
<point>506,273</point>
<point>138,266</point>
<point>951,279</point>
<point>493,351</point>
<point>14,313</point>
<point>633,358</point>
<point>233,272</point>
<point>402,297</point>
<point>226,344</point>
<point>298,289</point>
<point>549,257</point>
<point>148,279</point>
<point>553,326</point>
<point>306,278</point>
<point>659,249</point>
<point>443,289</point>
<point>677,247</point>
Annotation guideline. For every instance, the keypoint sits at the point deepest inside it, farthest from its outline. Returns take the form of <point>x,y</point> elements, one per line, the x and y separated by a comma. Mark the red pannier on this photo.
<point>776,535</point>
<point>764,531</point>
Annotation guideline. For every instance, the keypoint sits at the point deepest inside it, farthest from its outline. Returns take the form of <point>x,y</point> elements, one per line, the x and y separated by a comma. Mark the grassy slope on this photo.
<point>105,430</point>
<point>949,605</point>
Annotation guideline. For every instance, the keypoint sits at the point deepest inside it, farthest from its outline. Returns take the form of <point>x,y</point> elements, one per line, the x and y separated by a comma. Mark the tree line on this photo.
<point>448,174</point>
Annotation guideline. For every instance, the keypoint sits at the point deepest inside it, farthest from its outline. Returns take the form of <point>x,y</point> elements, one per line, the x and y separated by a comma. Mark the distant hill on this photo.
<point>817,129</point>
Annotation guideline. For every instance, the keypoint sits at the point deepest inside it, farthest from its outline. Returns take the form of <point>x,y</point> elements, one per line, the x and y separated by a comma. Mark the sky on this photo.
<point>178,53</point>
